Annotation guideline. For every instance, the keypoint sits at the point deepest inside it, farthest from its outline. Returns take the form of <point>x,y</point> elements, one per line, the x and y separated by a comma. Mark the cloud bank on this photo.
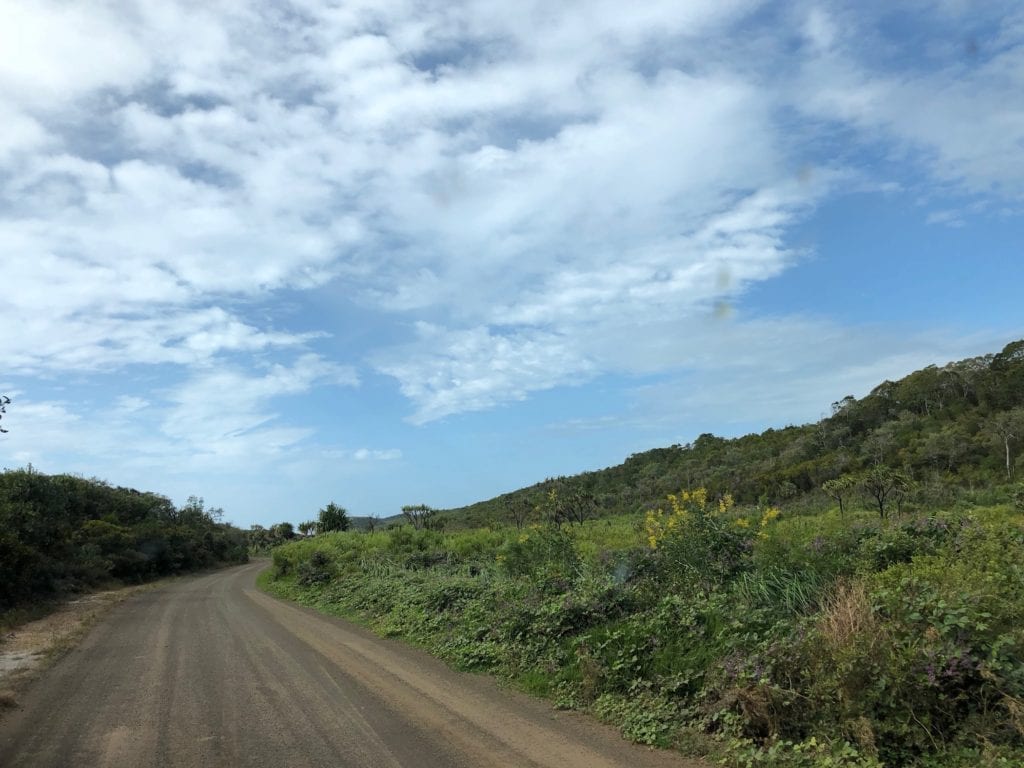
<point>537,194</point>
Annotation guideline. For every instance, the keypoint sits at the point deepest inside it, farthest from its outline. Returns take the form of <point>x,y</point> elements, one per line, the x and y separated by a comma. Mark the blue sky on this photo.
<point>388,252</point>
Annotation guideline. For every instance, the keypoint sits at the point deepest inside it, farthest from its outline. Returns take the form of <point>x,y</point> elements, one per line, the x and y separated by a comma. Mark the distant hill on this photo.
<point>953,429</point>
<point>367,522</point>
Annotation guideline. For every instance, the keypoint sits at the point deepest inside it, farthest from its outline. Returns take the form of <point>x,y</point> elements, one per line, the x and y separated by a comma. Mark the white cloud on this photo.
<point>600,316</point>
<point>376,454</point>
<point>547,191</point>
<point>456,371</point>
<point>52,426</point>
<point>819,29</point>
<point>224,413</point>
<point>221,418</point>
<point>950,218</point>
<point>51,51</point>
<point>128,404</point>
<point>21,132</point>
<point>959,116</point>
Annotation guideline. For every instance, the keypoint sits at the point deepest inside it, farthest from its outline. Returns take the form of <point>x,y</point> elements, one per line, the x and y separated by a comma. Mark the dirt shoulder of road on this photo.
<point>28,648</point>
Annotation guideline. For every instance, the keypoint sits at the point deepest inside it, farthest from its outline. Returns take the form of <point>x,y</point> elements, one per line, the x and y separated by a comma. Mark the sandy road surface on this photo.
<point>212,672</point>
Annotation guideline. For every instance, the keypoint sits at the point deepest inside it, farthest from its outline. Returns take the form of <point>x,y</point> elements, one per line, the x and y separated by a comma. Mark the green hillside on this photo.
<point>848,593</point>
<point>950,430</point>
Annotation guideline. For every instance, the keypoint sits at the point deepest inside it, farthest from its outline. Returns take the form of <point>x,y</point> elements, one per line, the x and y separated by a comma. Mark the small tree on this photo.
<point>578,507</point>
<point>259,537</point>
<point>419,515</point>
<point>4,402</point>
<point>1008,426</point>
<point>881,483</point>
<point>839,488</point>
<point>283,531</point>
<point>372,523</point>
<point>333,518</point>
<point>902,492</point>
<point>517,509</point>
<point>571,506</point>
<point>307,528</point>
<point>194,511</point>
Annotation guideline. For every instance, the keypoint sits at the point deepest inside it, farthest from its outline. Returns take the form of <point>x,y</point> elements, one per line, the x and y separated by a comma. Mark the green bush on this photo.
<point>540,552</point>
<point>318,569</point>
<point>804,641</point>
<point>60,533</point>
<point>1018,497</point>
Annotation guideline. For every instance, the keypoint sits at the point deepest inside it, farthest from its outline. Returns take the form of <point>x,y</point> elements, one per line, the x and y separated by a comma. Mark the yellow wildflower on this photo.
<point>769,514</point>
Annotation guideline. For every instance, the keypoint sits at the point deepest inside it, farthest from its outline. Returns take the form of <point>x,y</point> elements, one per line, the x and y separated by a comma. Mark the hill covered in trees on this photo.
<point>848,593</point>
<point>949,432</point>
<point>61,533</point>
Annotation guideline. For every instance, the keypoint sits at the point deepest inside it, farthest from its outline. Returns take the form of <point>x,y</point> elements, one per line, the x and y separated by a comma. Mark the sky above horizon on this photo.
<point>387,252</point>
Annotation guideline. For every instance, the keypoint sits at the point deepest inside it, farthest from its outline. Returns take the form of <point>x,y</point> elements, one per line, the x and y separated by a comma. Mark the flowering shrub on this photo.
<point>697,542</point>
<point>682,507</point>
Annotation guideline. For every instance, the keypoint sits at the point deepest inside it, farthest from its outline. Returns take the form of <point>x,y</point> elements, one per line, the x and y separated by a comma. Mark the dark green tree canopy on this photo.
<point>420,515</point>
<point>63,532</point>
<point>333,518</point>
<point>284,531</point>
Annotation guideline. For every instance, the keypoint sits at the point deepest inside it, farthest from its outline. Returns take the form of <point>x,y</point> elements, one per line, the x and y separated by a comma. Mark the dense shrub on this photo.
<point>60,533</point>
<point>316,570</point>
<point>754,636</point>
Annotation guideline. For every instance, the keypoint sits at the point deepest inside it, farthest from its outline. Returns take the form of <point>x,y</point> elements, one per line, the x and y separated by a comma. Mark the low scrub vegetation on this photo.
<point>61,534</point>
<point>749,635</point>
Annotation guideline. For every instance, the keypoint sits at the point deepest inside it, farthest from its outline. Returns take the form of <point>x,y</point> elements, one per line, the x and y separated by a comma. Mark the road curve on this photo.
<point>212,672</point>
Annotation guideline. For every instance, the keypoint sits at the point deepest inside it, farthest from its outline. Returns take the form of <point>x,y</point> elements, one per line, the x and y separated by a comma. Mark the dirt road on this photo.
<point>212,672</point>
